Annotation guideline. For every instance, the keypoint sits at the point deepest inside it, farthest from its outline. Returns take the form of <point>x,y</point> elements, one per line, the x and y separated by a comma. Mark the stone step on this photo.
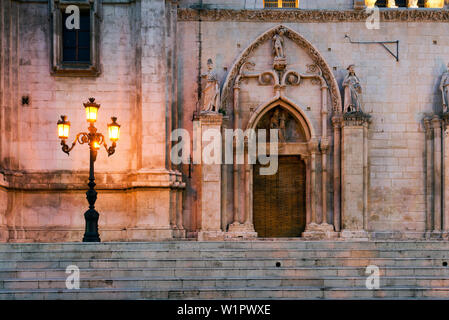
<point>232,253</point>
<point>257,244</point>
<point>220,283</point>
<point>228,294</point>
<point>224,272</point>
<point>222,262</point>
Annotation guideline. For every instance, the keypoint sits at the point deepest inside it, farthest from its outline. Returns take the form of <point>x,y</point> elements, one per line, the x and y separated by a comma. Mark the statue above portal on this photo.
<point>211,93</point>
<point>279,62</point>
<point>278,45</point>
<point>444,87</point>
<point>352,92</point>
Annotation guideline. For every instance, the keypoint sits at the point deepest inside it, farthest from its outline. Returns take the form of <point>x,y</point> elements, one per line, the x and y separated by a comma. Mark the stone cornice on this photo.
<point>76,180</point>
<point>264,15</point>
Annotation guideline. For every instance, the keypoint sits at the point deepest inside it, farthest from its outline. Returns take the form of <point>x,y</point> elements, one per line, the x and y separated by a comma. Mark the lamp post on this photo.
<point>95,141</point>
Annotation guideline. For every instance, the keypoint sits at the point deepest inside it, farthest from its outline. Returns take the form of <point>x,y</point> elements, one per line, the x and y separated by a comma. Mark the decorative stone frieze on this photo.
<point>396,15</point>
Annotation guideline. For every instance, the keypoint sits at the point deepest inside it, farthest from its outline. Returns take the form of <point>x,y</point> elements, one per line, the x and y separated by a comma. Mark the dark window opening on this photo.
<point>76,42</point>
<point>399,3</point>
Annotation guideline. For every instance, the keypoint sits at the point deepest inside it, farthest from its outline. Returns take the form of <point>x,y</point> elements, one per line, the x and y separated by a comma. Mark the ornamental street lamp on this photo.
<point>95,141</point>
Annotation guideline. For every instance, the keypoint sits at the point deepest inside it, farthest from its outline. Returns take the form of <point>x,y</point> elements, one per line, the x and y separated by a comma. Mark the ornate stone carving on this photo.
<point>268,78</point>
<point>265,15</point>
<point>291,78</point>
<point>356,118</point>
<point>314,69</point>
<point>211,93</point>
<point>444,87</point>
<point>288,126</point>
<point>352,91</point>
<point>318,61</point>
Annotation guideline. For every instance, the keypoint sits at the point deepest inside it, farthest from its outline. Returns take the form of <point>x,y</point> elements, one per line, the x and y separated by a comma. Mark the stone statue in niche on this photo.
<point>280,119</point>
<point>288,126</point>
<point>279,50</point>
<point>444,87</point>
<point>352,91</point>
<point>277,121</point>
<point>211,93</point>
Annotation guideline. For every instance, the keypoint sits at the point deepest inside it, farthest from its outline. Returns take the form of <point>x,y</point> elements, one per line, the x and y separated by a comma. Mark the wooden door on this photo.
<point>279,208</point>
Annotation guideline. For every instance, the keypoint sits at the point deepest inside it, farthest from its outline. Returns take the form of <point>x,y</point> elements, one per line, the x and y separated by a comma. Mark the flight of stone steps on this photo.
<point>280,269</point>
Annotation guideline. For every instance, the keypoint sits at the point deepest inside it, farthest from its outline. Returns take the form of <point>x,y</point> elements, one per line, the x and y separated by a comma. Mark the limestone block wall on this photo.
<point>396,94</point>
<point>44,187</point>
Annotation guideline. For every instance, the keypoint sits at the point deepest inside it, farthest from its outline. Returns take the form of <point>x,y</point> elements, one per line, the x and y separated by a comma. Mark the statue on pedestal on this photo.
<point>444,87</point>
<point>211,93</point>
<point>279,62</point>
<point>352,91</point>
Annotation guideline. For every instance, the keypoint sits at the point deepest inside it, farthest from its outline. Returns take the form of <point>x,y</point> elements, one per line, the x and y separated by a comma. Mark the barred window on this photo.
<point>405,3</point>
<point>280,3</point>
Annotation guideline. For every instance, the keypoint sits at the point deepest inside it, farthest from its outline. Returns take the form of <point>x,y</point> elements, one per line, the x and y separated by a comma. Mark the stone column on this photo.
<point>436,125</point>
<point>315,230</point>
<point>354,182</point>
<point>246,229</point>
<point>4,234</point>
<point>429,177</point>
<point>180,232</point>
<point>210,193</point>
<point>436,177</point>
<point>337,123</point>
<point>445,169</point>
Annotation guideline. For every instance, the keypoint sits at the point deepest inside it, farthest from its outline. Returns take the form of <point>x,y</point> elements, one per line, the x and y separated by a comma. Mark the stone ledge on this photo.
<point>77,180</point>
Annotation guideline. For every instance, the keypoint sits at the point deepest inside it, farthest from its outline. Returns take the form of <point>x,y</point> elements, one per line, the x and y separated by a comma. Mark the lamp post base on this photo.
<point>91,234</point>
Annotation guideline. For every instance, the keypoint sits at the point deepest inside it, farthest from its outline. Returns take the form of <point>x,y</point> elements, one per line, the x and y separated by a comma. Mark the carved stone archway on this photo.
<point>319,61</point>
<point>314,150</point>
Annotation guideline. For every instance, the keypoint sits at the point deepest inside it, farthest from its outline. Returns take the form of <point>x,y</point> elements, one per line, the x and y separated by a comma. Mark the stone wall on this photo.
<point>44,186</point>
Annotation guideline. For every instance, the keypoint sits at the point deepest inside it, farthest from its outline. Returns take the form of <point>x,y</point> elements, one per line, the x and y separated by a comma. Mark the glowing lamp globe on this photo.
<point>114,130</point>
<point>63,128</point>
<point>91,110</point>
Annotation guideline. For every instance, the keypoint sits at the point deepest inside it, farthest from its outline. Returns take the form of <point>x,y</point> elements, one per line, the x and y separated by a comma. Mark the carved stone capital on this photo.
<point>445,118</point>
<point>436,122</point>
<point>324,145</point>
<point>428,128</point>
<point>210,118</point>
<point>358,118</point>
<point>312,146</point>
<point>337,121</point>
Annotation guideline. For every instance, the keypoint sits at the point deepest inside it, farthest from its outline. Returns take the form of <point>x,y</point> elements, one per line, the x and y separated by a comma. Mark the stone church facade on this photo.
<point>361,112</point>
